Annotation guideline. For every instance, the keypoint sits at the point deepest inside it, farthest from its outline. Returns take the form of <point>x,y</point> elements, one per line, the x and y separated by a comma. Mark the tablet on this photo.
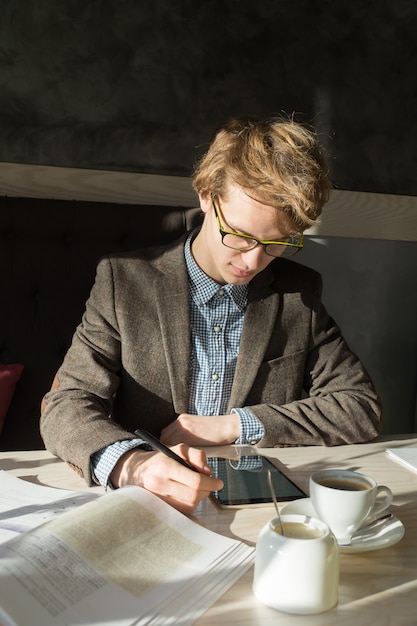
<point>246,482</point>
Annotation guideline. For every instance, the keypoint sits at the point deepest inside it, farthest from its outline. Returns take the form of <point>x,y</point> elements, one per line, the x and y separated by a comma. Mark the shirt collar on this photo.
<point>203,288</point>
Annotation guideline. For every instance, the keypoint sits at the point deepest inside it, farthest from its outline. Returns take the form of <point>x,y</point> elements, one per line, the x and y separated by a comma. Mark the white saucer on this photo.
<point>386,535</point>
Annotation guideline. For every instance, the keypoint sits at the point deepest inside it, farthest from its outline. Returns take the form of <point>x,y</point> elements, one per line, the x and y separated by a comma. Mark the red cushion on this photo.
<point>9,375</point>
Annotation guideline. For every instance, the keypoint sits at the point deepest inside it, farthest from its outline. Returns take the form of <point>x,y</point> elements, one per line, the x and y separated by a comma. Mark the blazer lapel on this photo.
<point>172,296</point>
<point>260,319</point>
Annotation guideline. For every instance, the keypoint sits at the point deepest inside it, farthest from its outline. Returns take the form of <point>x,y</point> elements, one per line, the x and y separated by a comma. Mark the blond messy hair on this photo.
<point>278,159</point>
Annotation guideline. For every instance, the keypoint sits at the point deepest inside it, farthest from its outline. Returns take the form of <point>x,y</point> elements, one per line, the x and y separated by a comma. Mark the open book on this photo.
<point>122,558</point>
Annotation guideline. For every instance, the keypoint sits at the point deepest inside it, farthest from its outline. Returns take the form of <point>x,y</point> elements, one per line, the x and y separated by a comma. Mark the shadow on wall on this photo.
<point>370,288</point>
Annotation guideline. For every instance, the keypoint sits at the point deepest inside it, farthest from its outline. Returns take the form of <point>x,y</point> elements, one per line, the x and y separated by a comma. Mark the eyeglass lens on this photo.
<point>243,243</point>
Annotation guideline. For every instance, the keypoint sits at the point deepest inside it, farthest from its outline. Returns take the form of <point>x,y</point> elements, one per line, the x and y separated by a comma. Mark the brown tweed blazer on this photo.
<point>129,363</point>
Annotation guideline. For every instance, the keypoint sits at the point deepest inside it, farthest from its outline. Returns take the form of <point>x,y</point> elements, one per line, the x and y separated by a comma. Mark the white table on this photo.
<point>376,588</point>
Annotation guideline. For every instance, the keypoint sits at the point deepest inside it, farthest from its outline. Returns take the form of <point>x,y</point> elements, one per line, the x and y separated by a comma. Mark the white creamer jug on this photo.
<point>297,572</point>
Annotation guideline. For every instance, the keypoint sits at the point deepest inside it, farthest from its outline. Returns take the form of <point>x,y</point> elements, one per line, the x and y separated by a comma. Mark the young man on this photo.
<point>216,339</point>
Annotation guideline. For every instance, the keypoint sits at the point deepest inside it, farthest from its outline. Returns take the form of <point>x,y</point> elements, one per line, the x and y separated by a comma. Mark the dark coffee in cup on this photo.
<point>344,485</point>
<point>344,499</point>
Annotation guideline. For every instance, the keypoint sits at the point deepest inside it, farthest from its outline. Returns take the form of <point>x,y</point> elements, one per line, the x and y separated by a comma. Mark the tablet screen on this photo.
<point>246,481</point>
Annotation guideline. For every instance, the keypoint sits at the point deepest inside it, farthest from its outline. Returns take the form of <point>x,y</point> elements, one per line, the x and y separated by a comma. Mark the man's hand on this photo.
<point>200,430</point>
<point>166,478</point>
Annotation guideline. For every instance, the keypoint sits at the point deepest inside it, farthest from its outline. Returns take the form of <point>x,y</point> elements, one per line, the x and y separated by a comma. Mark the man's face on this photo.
<point>242,214</point>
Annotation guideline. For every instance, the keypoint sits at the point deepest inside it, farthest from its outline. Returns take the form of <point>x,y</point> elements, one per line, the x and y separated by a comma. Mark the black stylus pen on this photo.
<point>158,445</point>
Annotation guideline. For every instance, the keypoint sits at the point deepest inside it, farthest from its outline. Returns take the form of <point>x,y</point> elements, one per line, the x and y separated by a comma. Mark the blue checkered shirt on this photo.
<point>217,313</point>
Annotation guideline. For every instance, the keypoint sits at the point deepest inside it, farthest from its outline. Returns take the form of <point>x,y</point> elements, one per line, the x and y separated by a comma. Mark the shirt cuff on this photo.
<point>103,461</point>
<point>251,429</point>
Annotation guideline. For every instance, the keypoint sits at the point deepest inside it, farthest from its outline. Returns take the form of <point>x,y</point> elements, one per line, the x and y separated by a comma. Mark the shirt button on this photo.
<point>217,329</point>
<point>215,377</point>
<point>221,292</point>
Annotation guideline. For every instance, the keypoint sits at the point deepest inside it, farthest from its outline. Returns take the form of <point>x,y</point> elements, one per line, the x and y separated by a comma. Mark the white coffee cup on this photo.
<point>297,573</point>
<point>345,500</point>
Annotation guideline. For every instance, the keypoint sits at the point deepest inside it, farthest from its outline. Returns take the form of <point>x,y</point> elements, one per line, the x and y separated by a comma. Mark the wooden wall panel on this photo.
<point>347,214</point>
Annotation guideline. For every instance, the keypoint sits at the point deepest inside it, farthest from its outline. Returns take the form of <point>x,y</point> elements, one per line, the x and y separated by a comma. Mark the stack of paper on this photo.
<point>124,558</point>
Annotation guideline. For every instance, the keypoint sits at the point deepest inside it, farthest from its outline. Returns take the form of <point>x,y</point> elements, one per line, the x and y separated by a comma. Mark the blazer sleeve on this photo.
<point>320,393</point>
<point>76,420</point>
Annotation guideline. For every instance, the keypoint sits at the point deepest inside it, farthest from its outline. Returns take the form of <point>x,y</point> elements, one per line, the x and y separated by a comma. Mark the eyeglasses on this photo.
<point>244,243</point>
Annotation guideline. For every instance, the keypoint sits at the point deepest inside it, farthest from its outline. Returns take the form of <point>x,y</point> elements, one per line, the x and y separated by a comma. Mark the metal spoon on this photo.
<point>364,530</point>
<point>372,525</point>
<point>274,500</point>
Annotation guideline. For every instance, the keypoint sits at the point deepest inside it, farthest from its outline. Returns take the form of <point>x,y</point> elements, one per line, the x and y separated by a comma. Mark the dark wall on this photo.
<point>141,84</point>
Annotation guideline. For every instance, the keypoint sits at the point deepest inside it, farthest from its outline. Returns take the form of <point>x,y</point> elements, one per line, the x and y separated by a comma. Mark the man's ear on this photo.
<point>205,202</point>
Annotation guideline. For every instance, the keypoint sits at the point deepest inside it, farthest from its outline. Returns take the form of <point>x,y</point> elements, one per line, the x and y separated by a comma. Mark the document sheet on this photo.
<point>125,557</point>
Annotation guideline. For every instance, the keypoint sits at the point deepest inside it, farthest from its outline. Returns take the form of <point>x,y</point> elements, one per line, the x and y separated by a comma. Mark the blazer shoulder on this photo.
<point>151,258</point>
